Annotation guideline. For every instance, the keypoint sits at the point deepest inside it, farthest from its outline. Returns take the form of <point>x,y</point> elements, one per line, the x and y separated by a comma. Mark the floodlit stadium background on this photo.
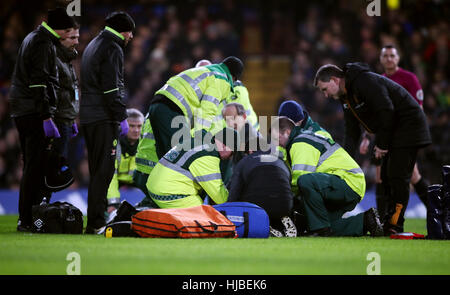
<point>282,44</point>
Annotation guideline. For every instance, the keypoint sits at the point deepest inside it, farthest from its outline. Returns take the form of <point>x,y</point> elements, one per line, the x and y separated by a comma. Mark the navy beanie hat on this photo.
<point>291,109</point>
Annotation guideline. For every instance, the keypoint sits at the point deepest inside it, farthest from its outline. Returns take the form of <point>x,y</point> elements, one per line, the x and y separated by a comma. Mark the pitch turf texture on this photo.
<point>26,253</point>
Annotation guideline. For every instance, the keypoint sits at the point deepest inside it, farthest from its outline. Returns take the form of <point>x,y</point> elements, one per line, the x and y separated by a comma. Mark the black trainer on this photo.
<point>23,227</point>
<point>323,232</point>
<point>372,223</point>
<point>391,229</point>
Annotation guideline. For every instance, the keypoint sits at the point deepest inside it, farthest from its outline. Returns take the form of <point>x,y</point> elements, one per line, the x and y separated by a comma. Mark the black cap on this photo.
<point>235,66</point>
<point>58,19</point>
<point>120,21</point>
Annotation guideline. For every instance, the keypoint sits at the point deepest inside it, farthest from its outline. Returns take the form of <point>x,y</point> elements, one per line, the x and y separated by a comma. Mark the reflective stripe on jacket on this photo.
<point>123,173</point>
<point>102,79</point>
<point>198,93</point>
<point>35,78</point>
<point>180,177</point>
<point>309,152</point>
<point>146,157</point>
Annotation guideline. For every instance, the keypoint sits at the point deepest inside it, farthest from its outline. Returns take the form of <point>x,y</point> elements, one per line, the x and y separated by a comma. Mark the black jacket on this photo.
<point>68,97</point>
<point>35,79</point>
<point>382,107</point>
<point>102,86</point>
<point>260,176</point>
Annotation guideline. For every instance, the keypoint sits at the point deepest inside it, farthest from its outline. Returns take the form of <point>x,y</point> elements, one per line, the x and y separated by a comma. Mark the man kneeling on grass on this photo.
<point>329,182</point>
<point>188,172</point>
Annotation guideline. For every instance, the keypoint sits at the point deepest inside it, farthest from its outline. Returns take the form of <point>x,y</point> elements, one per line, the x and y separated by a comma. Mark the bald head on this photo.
<point>202,63</point>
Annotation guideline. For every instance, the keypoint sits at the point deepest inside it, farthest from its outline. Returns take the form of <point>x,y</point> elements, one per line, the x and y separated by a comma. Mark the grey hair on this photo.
<point>135,114</point>
<point>239,108</point>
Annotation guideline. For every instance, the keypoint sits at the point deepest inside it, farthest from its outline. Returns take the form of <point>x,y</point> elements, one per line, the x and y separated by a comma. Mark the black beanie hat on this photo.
<point>57,19</point>
<point>120,21</point>
<point>235,66</point>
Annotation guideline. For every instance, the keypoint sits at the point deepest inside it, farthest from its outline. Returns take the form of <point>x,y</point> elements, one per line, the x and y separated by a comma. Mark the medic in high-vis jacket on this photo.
<point>183,177</point>
<point>193,96</point>
<point>146,160</point>
<point>125,158</point>
<point>294,111</point>
<point>329,182</point>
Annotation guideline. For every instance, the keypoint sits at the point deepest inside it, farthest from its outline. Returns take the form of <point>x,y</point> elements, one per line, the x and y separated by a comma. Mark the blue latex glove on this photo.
<point>124,127</point>
<point>50,129</point>
<point>74,129</point>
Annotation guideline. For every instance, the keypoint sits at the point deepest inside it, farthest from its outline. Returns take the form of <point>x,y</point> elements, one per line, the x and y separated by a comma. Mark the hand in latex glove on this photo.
<point>124,127</point>
<point>50,129</point>
<point>74,129</point>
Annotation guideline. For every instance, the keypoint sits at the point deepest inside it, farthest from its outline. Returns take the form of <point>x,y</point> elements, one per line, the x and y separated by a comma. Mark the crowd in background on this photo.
<point>170,38</point>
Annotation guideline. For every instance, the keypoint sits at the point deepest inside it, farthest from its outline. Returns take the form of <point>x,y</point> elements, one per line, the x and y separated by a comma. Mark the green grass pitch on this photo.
<point>46,254</point>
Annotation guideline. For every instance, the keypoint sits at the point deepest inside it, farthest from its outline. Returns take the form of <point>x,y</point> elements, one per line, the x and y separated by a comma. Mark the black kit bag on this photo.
<point>438,209</point>
<point>120,223</point>
<point>57,218</point>
<point>435,213</point>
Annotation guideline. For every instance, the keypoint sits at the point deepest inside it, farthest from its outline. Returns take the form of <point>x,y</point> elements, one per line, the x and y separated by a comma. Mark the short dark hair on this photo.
<point>389,46</point>
<point>235,66</point>
<point>325,72</point>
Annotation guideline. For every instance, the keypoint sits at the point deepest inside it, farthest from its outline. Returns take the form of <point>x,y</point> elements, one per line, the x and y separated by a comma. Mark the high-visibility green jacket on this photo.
<point>146,157</point>
<point>125,166</point>
<point>308,125</point>
<point>241,96</point>
<point>309,152</point>
<point>181,176</point>
<point>198,93</point>
<point>313,126</point>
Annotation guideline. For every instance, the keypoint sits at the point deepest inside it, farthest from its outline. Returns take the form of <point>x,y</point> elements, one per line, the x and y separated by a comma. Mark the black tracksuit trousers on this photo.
<point>396,171</point>
<point>101,142</point>
<point>33,144</point>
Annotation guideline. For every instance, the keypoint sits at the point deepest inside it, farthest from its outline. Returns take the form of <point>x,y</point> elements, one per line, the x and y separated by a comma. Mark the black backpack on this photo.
<point>438,209</point>
<point>120,225</point>
<point>57,218</point>
<point>58,175</point>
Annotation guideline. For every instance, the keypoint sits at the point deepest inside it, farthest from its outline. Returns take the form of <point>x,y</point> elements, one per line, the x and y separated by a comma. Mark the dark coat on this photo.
<point>68,97</point>
<point>264,180</point>
<point>35,79</point>
<point>102,84</point>
<point>382,107</point>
